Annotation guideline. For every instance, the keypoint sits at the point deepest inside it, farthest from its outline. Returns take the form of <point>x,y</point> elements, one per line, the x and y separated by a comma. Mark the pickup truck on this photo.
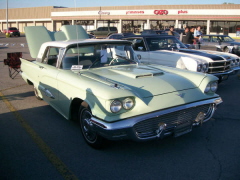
<point>101,84</point>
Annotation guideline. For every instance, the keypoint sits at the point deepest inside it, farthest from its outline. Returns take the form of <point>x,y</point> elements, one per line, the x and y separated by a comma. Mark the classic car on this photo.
<point>101,84</point>
<point>169,51</point>
<point>222,43</point>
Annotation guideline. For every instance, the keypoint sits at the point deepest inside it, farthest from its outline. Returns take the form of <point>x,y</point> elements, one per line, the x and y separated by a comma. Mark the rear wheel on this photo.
<point>89,134</point>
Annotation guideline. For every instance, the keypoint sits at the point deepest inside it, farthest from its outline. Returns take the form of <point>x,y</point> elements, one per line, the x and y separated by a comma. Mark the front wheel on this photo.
<point>90,136</point>
<point>226,49</point>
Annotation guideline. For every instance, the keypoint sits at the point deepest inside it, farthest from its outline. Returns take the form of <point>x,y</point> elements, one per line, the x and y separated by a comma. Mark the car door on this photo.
<point>48,84</point>
<point>207,43</point>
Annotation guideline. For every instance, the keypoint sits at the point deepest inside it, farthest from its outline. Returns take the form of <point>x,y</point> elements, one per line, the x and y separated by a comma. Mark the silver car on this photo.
<point>222,43</point>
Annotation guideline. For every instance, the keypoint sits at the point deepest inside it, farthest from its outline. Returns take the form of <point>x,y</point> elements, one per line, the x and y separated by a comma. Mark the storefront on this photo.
<point>221,18</point>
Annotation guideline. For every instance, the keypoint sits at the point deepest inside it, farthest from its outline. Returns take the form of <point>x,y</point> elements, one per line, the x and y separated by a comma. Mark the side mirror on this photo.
<point>140,48</point>
<point>139,56</point>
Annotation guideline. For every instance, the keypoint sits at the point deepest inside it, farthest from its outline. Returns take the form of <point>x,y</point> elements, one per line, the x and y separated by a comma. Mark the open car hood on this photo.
<point>37,35</point>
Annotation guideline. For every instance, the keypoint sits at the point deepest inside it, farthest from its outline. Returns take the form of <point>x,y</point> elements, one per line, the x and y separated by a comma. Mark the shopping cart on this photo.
<point>14,63</point>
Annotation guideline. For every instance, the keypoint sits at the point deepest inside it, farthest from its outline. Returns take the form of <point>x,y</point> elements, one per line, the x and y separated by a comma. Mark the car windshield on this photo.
<point>98,55</point>
<point>164,43</point>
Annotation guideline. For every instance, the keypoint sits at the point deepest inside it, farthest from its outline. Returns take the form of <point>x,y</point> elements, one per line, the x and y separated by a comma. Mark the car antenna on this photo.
<point>78,54</point>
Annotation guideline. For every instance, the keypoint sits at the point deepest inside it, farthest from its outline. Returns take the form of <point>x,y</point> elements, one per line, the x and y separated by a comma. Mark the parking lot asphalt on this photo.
<point>36,142</point>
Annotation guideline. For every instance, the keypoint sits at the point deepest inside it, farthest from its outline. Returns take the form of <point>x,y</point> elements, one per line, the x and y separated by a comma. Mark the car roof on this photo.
<point>216,35</point>
<point>151,35</point>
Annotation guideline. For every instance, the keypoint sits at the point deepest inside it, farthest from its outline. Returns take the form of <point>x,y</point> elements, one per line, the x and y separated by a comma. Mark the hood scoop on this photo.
<point>137,72</point>
<point>149,75</point>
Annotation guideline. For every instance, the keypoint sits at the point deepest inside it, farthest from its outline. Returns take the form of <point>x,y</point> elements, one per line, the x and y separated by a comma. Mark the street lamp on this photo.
<point>7,18</point>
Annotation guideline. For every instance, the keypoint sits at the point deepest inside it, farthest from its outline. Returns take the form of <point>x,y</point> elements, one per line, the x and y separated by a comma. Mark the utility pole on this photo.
<point>7,15</point>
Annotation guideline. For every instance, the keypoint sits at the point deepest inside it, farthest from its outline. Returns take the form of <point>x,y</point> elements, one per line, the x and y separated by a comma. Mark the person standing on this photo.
<point>170,32</point>
<point>198,36</point>
<point>184,36</point>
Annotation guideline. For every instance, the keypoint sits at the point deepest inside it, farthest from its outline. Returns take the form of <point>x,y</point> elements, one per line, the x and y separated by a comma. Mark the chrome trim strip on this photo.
<point>224,73</point>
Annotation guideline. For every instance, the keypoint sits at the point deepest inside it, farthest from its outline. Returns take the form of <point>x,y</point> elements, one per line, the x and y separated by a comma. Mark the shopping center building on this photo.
<point>217,18</point>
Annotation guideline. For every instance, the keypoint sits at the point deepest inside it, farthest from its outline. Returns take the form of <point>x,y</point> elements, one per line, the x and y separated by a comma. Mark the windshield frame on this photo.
<point>96,55</point>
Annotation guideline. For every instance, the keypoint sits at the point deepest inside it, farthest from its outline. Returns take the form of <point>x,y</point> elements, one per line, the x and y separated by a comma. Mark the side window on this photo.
<point>105,28</point>
<point>214,39</point>
<point>206,38</point>
<point>51,55</point>
<point>138,45</point>
<point>113,29</point>
<point>100,29</point>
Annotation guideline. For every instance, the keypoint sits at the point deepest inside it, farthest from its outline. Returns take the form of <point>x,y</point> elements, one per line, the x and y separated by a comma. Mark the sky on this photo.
<point>98,3</point>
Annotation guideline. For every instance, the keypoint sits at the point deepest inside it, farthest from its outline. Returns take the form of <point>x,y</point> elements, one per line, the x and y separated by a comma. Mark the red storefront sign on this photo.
<point>134,12</point>
<point>182,12</point>
<point>161,12</point>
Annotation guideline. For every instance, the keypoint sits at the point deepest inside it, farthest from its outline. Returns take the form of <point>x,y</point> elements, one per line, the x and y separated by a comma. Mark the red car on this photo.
<point>12,31</point>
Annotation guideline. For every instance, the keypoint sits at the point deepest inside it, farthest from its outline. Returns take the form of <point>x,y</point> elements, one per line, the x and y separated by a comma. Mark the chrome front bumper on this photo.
<point>152,122</point>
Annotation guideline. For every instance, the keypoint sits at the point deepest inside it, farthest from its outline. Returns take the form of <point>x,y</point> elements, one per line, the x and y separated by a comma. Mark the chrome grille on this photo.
<point>148,128</point>
<point>219,67</point>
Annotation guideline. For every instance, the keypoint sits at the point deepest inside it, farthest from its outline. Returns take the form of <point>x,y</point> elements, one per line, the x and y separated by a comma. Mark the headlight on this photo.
<point>116,106</point>
<point>207,89</point>
<point>212,86</point>
<point>128,103</point>
<point>199,68</point>
<point>205,67</point>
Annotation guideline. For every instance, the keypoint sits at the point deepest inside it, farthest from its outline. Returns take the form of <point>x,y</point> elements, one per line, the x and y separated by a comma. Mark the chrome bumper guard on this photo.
<point>155,127</point>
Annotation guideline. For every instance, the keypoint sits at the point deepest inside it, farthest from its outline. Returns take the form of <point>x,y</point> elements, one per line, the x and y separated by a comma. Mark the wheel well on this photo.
<point>225,48</point>
<point>29,82</point>
<point>75,105</point>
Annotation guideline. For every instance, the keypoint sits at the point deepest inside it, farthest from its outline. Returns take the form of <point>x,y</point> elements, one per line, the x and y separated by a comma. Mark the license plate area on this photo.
<point>183,129</point>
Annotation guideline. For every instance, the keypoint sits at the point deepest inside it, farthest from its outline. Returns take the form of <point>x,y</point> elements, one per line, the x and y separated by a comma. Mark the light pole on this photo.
<point>7,17</point>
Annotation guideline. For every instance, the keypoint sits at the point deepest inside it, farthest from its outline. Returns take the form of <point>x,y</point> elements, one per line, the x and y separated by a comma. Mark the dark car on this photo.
<point>12,31</point>
<point>119,35</point>
<point>222,43</point>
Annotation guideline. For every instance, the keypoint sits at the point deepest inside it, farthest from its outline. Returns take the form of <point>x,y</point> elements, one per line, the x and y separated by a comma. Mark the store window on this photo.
<point>161,24</point>
<point>133,26</point>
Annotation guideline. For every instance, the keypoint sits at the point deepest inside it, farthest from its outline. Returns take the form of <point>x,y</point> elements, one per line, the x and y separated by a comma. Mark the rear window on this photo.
<point>12,28</point>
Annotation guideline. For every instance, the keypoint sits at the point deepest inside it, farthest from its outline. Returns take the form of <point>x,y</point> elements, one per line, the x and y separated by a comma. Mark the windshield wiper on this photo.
<point>125,58</point>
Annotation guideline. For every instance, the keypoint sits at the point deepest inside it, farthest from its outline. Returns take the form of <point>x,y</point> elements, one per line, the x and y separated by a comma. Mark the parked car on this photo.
<point>222,43</point>
<point>13,31</point>
<point>154,32</point>
<point>119,35</point>
<point>168,50</point>
<point>103,32</point>
<point>91,36</point>
<point>101,84</point>
<point>178,30</point>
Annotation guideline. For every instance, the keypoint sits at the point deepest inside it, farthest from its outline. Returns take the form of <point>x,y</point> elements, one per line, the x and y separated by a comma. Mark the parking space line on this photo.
<point>13,87</point>
<point>54,159</point>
